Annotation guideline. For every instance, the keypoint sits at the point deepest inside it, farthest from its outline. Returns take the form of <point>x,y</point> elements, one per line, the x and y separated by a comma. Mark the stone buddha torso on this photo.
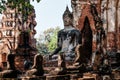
<point>68,38</point>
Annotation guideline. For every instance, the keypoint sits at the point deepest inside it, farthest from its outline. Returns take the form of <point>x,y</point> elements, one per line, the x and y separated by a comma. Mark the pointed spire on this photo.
<point>67,13</point>
<point>67,9</point>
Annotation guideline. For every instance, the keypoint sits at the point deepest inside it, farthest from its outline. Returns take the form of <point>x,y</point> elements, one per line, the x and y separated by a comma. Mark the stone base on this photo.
<point>34,78</point>
<point>58,77</point>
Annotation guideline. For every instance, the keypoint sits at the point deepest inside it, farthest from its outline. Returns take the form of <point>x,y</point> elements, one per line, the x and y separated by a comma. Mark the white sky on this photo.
<point>49,14</point>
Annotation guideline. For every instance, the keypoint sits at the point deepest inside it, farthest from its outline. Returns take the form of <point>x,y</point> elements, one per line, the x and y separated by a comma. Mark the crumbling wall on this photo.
<point>11,26</point>
<point>109,11</point>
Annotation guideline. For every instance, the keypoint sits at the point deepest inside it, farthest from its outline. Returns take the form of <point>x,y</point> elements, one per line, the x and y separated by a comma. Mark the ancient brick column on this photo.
<point>118,23</point>
<point>17,35</point>
<point>111,19</point>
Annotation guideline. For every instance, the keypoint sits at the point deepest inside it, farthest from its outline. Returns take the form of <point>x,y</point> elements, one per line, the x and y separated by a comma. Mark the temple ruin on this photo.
<point>108,11</point>
<point>95,23</point>
<point>17,35</point>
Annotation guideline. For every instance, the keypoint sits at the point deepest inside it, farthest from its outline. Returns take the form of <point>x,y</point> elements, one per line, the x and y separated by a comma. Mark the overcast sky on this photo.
<point>49,14</point>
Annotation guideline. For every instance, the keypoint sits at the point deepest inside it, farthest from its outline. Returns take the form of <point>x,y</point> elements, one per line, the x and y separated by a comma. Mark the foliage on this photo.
<point>2,5</point>
<point>47,42</point>
<point>23,10</point>
<point>52,44</point>
<point>42,48</point>
<point>20,4</point>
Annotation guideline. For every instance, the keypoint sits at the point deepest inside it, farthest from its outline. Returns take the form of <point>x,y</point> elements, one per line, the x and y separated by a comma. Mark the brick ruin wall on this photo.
<point>109,11</point>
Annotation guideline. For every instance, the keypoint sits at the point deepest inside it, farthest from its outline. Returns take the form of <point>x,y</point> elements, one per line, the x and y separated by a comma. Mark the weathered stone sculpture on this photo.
<point>61,65</point>
<point>77,51</point>
<point>11,71</point>
<point>69,37</point>
<point>37,68</point>
<point>61,69</point>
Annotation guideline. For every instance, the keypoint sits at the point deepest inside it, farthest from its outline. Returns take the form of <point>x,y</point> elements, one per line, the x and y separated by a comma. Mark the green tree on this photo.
<point>2,5</point>
<point>47,42</point>
<point>41,45</point>
<point>21,7</point>
<point>52,44</point>
<point>20,4</point>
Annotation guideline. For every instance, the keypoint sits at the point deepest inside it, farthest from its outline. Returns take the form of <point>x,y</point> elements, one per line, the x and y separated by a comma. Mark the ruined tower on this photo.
<point>17,35</point>
<point>108,12</point>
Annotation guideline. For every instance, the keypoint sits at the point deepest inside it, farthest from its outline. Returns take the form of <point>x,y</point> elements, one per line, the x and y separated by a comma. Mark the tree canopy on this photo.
<point>20,4</point>
<point>47,42</point>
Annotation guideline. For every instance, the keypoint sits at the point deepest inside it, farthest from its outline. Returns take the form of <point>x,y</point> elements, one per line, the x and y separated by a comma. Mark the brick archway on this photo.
<point>87,37</point>
<point>86,13</point>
